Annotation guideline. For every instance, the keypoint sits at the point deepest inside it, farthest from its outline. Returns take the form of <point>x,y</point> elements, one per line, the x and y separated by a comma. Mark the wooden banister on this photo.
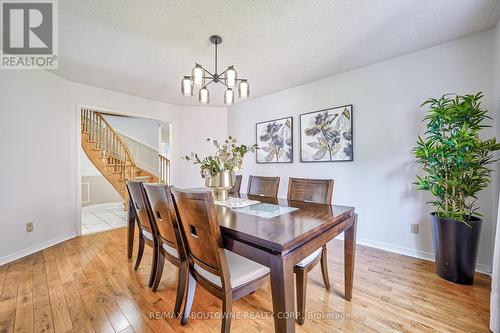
<point>164,174</point>
<point>109,142</point>
<point>110,154</point>
<point>119,140</point>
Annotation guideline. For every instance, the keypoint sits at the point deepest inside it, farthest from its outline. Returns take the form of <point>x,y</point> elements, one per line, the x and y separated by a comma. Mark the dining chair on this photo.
<point>314,191</point>
<point>169,243</point>
<point>263,186</point>
<point>146,229</point>
<point>223,273</point>
<point>235,190</point>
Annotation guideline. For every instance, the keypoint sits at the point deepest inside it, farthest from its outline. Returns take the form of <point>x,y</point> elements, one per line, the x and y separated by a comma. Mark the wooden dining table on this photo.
<point>282,241</point>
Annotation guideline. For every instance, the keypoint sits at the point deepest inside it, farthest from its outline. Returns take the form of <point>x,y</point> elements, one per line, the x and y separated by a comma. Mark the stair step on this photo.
<point>139,178</point>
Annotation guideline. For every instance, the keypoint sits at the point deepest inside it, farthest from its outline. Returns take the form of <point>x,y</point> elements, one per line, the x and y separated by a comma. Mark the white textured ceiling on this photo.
<point>144,47</point>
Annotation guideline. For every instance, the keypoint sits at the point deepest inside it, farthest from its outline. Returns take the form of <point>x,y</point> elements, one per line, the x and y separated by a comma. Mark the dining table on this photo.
<point>279,233</point>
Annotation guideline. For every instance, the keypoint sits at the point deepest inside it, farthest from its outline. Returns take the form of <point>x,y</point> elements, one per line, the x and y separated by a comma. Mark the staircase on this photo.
<point>111,156</point>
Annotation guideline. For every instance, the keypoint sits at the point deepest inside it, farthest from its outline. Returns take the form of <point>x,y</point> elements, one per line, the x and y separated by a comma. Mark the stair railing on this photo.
<point>164,174</point>
<point>106,140</point>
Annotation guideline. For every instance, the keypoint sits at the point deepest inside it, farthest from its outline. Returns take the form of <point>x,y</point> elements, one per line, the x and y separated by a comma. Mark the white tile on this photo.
<point>98,218</point>
<point>118,224</point>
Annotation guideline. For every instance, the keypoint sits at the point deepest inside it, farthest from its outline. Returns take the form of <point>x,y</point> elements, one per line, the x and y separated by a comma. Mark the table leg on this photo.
<point>282,288</point>
<point>349,257</point>
<point>130,229</point>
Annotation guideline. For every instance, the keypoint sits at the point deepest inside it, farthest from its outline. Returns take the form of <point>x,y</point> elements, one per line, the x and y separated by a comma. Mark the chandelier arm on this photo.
<point>208,72</point>
<point>206,84</point>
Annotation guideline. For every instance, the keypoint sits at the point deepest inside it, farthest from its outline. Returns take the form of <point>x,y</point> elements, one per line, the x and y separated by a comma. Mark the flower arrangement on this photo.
<point>228,157</point>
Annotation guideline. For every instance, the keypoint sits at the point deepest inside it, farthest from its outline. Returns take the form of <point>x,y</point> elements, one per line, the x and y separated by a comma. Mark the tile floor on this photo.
<point>102,217</point>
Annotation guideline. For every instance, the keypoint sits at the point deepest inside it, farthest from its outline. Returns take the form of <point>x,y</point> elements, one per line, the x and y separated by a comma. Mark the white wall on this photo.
<point>39,140</point>
<point>200,124</point>
<point>495,278</point>
<point>143,130</point>
<point>37,161</point>
<point>496,109</point>
<point>386,98</point>
<point>86,166</point>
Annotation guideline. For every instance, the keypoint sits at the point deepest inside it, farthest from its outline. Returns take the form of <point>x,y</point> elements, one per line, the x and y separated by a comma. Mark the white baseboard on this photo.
<point>36,248</point>
<point>486,269</point>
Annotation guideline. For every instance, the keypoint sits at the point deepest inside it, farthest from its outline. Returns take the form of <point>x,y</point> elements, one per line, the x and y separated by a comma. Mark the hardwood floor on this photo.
<point>87,285</point>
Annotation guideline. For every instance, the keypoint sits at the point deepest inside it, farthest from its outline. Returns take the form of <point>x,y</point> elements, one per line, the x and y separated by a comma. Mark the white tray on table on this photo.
<point>233,202</point>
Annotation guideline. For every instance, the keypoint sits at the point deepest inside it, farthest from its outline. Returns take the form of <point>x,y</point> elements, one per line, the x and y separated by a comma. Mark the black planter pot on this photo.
<point>455,248</point>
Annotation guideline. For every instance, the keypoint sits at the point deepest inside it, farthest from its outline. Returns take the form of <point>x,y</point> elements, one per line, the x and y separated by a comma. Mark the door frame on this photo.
<point>78,145</point>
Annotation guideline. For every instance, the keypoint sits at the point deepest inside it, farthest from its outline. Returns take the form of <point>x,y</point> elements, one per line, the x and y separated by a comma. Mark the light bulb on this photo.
<point>229,96</point>
<point>198,74</point>
<point>231,77</point>
<point>186,86</point>
<point>244,89</point>
<point>204,96</point>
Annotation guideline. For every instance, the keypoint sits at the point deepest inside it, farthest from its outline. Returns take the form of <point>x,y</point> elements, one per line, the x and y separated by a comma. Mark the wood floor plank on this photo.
<point>60,311</point>
<point>7,315</point>
<point>24,303</point>
<point>3,274</point>
<point>87,284</point>
<point>78,313</point>
<point>43,322</point>
<point>65,274</point>
<point>11,283</point>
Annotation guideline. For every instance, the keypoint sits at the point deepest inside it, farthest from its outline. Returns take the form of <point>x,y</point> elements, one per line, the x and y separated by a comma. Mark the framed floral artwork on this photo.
<point>326,135</point>
<point>275,141</point>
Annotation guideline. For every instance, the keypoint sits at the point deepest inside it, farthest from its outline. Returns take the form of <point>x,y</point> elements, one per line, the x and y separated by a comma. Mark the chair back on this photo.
<point>201,232</point>
<point>263,186</point>
<point>141,211</point>
<point>310,190</point>
<point>237,186</point>
<point>163,212</point>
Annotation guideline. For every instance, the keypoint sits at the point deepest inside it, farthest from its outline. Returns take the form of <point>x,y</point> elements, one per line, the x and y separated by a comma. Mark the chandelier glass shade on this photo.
<point>200,78</point>
<point>204,96</point>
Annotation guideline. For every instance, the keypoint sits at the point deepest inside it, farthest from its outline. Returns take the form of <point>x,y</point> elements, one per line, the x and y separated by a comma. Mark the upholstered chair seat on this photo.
<point>310,258</point>
<point>241,270</point>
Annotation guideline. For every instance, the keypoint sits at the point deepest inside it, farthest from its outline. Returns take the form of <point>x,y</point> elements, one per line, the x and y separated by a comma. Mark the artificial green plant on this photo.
<point>453,156</point>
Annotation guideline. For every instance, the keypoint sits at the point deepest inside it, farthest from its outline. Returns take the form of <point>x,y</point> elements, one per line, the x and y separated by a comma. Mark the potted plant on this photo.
<point>219,169</point>
<point>454,160</point>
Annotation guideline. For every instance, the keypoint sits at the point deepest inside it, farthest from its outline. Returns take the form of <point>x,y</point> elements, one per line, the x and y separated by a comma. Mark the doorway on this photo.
<point>115,148</point>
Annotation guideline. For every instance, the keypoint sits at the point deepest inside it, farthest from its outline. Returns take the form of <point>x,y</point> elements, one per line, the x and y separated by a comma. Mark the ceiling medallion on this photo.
<point>201,78</point>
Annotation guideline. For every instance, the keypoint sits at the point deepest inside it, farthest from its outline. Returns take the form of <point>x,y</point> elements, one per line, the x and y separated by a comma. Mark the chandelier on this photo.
<point>201,78</point>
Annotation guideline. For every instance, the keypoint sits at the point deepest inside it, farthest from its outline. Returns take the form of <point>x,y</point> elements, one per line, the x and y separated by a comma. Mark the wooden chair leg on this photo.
<point>160,263</point>
<point>227,305</point>
<point>154,263</point>
<point>324,267</point>
<point>191,288</point>
<point>301,286</point>
<point>181,286</point>
<point>139,253</point>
